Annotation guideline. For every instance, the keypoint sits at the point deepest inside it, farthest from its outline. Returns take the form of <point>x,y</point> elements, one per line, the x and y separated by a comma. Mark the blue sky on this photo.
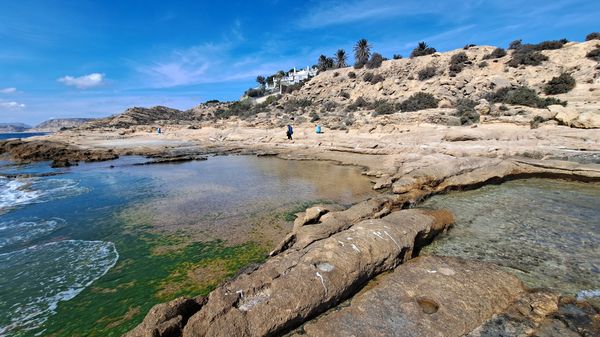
<point>96,58</point>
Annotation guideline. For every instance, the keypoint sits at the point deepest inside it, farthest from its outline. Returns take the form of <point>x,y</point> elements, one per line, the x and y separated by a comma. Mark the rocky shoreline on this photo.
<point>363,254</point>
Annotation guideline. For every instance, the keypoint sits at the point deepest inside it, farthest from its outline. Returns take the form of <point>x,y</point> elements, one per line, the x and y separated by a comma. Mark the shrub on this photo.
<point>525,56</point>
<point>426,73</point>
<point>482,64</point>
<point>371,78</point>
<point>351,74</point>
<point>344,94</point>
<point>383,107</point>
<point>419,101</point>
<point>359,65</point>
<point>466,47</point>
<point>397,57</point>
<point>550,45</point>
<point>239,108</point>
<point>457,63</point>
<point>272,99</point>
<point>359,103</point>
<point>560,85</point>
<point>594,54</point>
<point>496,54</point>
<point>329,106</point>
<point>296,104</point>
<point>252,92</point>
<point>516,44</point>
<point>421,50</point>
<point>314,117</point>
<point>465,110</point>
<point>375,61</point>
<point>536,121</point>
<point>212,101</point>
<point>522,96</point>
<point>593,36</point>
<point>336,74</point>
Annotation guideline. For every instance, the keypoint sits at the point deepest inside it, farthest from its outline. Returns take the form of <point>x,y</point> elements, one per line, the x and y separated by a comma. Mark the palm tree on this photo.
<point>340,59</point>
<point>325,63</point>
<point>422,50</point>
<point>362,51</point>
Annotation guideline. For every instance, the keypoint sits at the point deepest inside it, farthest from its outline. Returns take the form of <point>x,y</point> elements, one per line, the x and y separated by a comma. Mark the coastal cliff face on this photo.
<point>13,127</point>
<point>53,125</point>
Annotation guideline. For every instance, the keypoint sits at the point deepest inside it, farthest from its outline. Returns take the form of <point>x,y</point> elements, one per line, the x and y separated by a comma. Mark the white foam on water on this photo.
<point>24,191</point>
<point>583,294</point>
<point>36,279</point>
<point>25,230</point>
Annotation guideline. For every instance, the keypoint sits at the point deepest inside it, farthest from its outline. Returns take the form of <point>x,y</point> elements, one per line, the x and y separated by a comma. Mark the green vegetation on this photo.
<point>496,54</point>
<point>383,107</point>
<point>560,85</point>
<point>351,74</point>
<point>397,57</point>
<point>536,121</point>
<point>426,73</point>
<point>362,52</point>
<point>371,78</point>
<point>594,54</point>
<point>419,101</point>
<point>340,59</point>
<point>522,96</point>
<point>296,104</point>
<point>593,36</point>
<point>457,63</point>
<point>325,63</point>
<point>421,50</point>
<point>529,54</point>
<point>359,104</point>
<point>375,61</point>
<point>465,110</point>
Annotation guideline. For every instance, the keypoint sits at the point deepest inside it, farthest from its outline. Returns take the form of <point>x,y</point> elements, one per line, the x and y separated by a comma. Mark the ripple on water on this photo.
<point>547,232</point>
<point>34,280</point>
<point>26,230</point>
<point>19,192</point>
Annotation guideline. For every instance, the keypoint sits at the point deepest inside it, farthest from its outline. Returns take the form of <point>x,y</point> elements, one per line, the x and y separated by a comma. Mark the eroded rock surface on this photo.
<point>304,281</point>
<point>60,153</point>
<point>427,296</point>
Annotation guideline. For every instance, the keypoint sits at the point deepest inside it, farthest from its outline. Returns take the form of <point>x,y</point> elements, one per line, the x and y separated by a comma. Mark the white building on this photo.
<point>292,78</point>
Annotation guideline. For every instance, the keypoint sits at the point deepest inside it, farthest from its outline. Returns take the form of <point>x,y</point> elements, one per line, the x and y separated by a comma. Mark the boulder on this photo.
<point>167,319</point>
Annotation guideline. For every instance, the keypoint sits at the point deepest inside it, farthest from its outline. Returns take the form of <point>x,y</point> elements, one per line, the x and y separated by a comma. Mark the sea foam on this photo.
<point>37,278</point>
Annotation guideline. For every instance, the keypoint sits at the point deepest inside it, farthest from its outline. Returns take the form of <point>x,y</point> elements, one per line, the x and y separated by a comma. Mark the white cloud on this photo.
<point>8,90</point>
<point>83,82</point>
<point>12,105</point>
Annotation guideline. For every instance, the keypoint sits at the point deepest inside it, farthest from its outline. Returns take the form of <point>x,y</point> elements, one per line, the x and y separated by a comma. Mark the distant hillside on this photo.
<point>13,127</point>
<point>57,124</point>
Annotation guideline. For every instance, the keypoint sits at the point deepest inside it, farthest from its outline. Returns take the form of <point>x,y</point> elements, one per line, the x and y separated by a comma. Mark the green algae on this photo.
<point>119,300</point>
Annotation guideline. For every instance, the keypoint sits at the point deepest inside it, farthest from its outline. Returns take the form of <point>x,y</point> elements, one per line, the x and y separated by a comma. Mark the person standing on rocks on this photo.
<point>290,132</point>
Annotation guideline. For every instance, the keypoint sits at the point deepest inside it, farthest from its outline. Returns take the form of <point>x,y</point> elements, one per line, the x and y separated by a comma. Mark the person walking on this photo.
<point>290,132</point>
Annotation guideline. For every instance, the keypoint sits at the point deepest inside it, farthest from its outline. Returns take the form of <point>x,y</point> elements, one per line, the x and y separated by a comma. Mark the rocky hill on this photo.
<point>551,82</point>
<point>57,124</point>
<point>13,127</point>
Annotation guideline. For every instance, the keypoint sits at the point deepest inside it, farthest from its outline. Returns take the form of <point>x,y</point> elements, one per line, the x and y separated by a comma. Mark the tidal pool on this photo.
<point>547,232</point>
<point>87,250</point>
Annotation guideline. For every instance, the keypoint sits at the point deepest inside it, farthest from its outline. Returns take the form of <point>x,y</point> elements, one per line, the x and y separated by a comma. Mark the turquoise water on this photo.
<point>88,251</point>
<point>547,232</point>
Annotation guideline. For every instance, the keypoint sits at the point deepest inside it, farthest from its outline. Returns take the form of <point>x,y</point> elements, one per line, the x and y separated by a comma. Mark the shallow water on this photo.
<point>89,251</point>
<point>547,232</point>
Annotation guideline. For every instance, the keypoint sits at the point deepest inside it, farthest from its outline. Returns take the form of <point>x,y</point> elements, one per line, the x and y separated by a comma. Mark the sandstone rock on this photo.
<point>587,120</point>
<point>427,296</point>
<point>63,154</point>
<point>271,299</point>
<point>483,108</point>
<point>563,114</point>
<point>498,82</point>
<point>167,319</point>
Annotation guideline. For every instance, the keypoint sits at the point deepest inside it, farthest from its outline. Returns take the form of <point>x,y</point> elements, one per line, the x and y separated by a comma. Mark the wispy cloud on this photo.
<point>344,12</point>
<point>12,105</point>
<point>83,82</point>
<point>8,90</point>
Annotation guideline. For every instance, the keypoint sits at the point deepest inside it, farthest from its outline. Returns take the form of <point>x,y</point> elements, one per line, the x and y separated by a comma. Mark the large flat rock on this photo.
<point>427,296</point>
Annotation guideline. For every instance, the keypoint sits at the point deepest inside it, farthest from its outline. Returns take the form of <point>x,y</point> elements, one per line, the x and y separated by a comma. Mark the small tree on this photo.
<point>261,80</point>
<point>362,52</point>
<point>325,63</point>
<point>593,36</point>
<point>421,50</point>
<point>340,59</point>
<point>516,44</point>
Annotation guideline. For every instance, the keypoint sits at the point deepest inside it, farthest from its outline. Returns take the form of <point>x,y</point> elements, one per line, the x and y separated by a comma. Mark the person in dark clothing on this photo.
<point>290,132</point>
